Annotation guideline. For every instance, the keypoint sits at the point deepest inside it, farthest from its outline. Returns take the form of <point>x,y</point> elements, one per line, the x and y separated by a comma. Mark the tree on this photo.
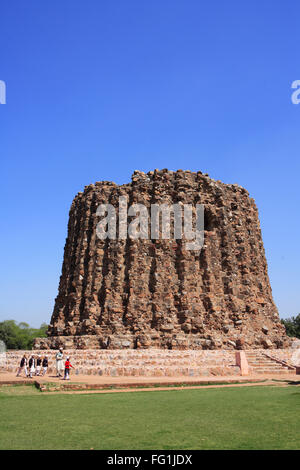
<point>292,326</point>
<point>20,336</point>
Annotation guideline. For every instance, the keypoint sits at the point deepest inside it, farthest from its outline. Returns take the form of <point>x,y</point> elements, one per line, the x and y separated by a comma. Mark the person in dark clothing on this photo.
<point>38,365</point>
<point>45,365</point>
<point>31,366</point>
<point>23,364</point>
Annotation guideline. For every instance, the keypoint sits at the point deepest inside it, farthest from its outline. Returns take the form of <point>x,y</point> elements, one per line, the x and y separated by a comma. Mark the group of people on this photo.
<point>33,366</point>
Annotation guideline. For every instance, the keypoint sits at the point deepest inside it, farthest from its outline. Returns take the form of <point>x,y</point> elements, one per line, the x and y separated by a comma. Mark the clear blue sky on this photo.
<point>97,89</point>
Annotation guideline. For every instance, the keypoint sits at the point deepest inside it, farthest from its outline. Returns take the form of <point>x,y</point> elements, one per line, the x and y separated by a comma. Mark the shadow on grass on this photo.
<point>286,381</point>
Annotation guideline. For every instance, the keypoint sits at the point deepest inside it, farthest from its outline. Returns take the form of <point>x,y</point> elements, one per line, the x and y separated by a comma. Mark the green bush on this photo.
<point>292,326</point>
<point>20,335</point>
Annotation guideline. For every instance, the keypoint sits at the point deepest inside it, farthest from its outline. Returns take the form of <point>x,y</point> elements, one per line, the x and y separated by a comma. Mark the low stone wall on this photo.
<point>151,363</point>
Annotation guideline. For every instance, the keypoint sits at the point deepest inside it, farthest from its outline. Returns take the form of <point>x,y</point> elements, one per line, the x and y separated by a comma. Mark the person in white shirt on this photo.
<point>59,363</point>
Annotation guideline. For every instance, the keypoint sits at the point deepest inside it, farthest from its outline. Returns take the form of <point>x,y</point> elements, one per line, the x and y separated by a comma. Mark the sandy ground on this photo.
<point>158,383</point>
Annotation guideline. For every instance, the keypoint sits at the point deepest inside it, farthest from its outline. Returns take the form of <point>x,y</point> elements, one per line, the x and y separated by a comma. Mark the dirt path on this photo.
<point>142,380</point>
<point>100,384</point>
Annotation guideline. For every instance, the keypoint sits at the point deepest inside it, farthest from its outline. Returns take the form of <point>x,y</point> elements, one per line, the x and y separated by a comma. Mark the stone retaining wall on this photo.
<point>150,362</point>
<point>137,362</point>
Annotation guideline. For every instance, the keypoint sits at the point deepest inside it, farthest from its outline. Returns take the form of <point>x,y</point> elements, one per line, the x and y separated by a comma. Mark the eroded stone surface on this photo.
<point>119,294</point>
<point>163,363</point>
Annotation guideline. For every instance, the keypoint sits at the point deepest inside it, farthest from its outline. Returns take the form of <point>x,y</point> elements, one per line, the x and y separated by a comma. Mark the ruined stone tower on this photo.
<point>154,293</point>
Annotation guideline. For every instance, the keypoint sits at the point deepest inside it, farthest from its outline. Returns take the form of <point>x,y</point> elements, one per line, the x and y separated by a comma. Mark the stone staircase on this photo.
<point>260,363</point>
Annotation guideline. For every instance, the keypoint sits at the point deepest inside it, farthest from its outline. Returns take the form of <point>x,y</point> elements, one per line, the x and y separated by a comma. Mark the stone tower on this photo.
<point>143,293</point>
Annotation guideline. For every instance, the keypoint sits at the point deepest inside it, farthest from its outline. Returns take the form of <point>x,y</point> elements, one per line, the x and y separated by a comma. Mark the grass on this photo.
<point>225,418</point>
<point>17,390</point>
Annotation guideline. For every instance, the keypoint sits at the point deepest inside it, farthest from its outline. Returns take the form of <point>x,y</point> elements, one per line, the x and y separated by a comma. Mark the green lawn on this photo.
<point>225,418</point>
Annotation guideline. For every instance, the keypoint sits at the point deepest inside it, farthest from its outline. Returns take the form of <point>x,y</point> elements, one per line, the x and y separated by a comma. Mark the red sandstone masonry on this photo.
<point>141,362</point>
<point>120,294</point>
<point>154,362</point>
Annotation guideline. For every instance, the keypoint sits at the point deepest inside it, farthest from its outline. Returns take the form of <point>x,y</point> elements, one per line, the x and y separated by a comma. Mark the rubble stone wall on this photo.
<point>151,362</point>
<point>149,293</point>
<point>158,362</point>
